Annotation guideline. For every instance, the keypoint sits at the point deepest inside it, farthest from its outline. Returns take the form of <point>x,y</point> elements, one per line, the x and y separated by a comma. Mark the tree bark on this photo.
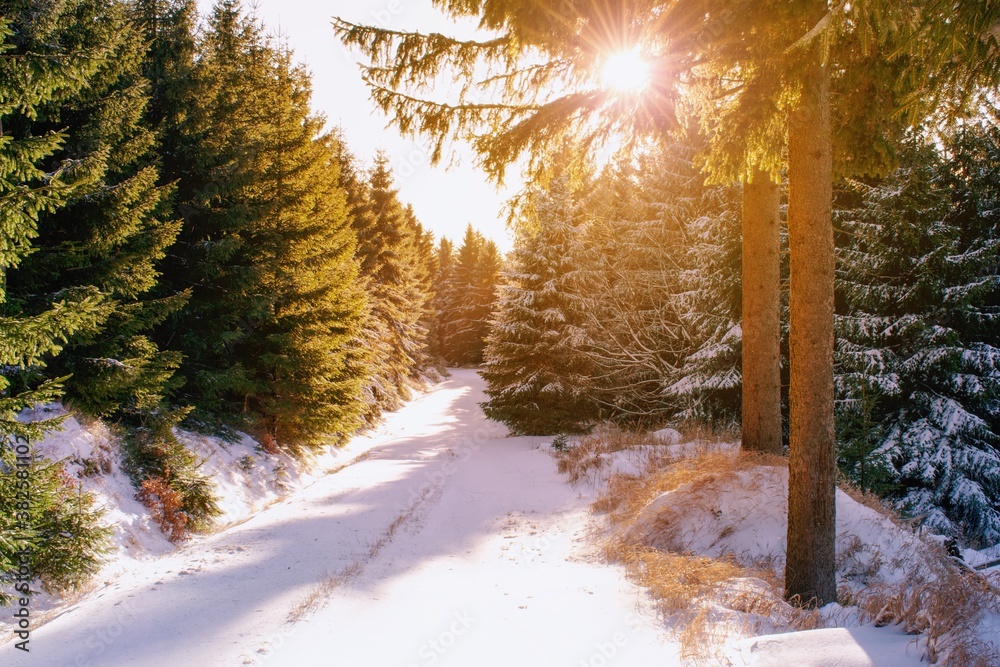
<point>761,423</point>
<point>810,569</point>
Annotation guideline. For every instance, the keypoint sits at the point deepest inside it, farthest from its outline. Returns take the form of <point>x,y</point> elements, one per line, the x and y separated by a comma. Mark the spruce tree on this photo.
<point>422,270</point>
<point>538,378</point>
<point>222,141</point>
<point>919,352</point>
<point>303,376</point>
<point>393,334</point>
<point>41,62</point>
<point>469,295</point>
<point>709,381</point>
<point>266,248</point>
<point>111,233</point>
<point>444,256</point>
<point>660,279</point>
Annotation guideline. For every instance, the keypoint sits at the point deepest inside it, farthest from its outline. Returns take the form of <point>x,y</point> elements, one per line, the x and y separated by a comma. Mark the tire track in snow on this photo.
<point>317,598</point>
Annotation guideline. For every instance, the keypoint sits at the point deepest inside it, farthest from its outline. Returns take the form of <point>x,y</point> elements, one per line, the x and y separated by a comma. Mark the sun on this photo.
<point>626,72</point>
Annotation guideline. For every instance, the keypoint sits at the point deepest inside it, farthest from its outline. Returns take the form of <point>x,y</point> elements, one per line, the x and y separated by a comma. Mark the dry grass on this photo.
<point>587,456</point>
<point>702,431</point>
<point>164,506</point>
<point>945,605</point>
<point>707,600</point>
<point>710,600</point>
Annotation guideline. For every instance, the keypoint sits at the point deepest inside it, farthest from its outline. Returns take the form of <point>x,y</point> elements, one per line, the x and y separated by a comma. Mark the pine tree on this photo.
<point>169,28</point>
<point>41,62</point>
<point>111,232</point>
<point>627,279</point>
<point>920,350</point>
<point>469,295</point>
<point>266,247</point>
<point>537,376</point>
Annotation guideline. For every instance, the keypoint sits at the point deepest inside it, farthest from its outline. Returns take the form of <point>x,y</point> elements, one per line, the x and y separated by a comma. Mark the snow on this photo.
<point>435,540</point>
<point>242,490</point>
<point>669,436</point>
<point>443,543</point>
<point>135,533</point>
<point>832,647</point>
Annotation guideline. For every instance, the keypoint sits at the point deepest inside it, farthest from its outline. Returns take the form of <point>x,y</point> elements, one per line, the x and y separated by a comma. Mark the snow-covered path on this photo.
<point>445,544</point>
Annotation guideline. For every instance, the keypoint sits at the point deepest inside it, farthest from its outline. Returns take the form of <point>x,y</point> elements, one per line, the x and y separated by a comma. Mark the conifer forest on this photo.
<point>768,223</point>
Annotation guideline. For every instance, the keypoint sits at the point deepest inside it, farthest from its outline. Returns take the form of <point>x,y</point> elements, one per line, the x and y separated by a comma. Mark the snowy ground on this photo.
<point>448,544</point>
<point>434,541</point>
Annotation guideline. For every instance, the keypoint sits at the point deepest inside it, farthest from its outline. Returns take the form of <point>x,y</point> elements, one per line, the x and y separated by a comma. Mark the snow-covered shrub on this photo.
<point>919,344</point>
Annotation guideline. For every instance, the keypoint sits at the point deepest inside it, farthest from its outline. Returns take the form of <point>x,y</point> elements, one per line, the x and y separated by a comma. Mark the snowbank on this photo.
<point>729,510</point>
<point>744,514</point>
<point>832,647</point>
<point>245,479</point>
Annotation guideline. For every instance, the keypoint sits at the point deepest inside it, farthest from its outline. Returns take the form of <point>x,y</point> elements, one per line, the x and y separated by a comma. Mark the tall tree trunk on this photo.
<point>761,315</point>
<point>810,569</point>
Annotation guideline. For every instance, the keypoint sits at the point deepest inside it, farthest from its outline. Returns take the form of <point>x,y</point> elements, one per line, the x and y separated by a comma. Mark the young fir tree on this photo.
<point>422,270</point>
<point>469,293</point>
<point>538,379</point>
<point>709,381</point>
<point>660,276</point>
<point>919,350</point>
<point>630,279</point>
<point>111,233</point>
<point>622,282</point>
<point>41,62</point>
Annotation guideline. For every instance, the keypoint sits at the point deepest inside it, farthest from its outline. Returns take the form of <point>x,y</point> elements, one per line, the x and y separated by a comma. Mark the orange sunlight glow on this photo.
<point>626,72</point>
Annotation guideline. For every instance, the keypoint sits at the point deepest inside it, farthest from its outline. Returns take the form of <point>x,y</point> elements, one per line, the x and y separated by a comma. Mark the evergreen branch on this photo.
<point>821,26</point>
<point>416,58</point>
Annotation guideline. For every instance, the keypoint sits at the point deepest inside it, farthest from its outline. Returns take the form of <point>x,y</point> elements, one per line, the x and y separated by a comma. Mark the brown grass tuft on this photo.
<point>945,605</point>
<point>584,460</point>
<point>698,430</point>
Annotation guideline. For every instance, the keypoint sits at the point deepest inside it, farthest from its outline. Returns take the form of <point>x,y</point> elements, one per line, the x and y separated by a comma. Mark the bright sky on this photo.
<point>445,200</point>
